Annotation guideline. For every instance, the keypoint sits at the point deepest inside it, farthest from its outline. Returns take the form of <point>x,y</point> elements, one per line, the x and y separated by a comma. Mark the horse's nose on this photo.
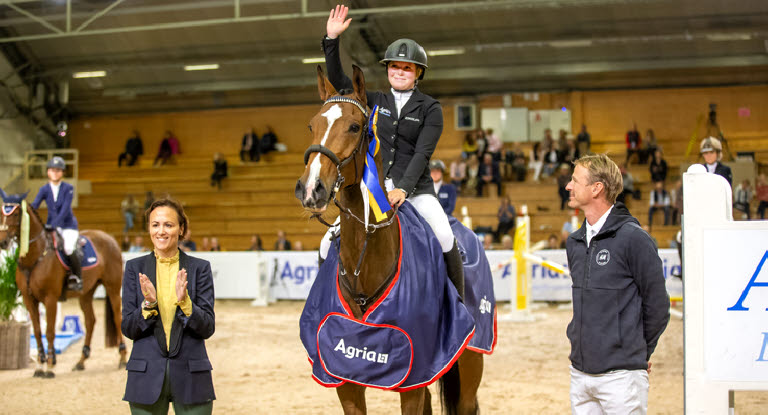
<point>300,191</point>
<point>312,196</point>
<point>319,193</point>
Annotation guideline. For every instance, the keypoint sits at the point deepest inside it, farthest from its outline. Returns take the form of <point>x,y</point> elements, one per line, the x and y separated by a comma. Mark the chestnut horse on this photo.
<point>334,169</point>
<point>40,278</point>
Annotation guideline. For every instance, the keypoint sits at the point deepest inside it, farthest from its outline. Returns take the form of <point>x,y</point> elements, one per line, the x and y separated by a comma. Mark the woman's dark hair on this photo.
<point>175,205</point>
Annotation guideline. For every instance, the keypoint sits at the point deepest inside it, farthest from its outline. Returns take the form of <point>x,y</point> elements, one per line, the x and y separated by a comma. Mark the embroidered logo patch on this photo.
<point>412,119</point>
<point>385,111</point>
<point>603,257</point>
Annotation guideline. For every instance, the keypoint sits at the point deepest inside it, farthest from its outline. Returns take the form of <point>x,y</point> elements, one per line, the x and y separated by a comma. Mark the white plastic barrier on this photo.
<point>726,295</point>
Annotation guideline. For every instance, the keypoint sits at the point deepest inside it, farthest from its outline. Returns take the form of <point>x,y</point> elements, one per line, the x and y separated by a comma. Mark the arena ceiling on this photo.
<point>477,47</point>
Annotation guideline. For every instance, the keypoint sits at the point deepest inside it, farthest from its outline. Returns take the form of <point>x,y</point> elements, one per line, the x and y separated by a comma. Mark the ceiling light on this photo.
<point>577,43</point>
<point>446,52</point>
<point>89,74</point>
<point>314,60</point>
<point>717,37</point>
<point>205,67</point>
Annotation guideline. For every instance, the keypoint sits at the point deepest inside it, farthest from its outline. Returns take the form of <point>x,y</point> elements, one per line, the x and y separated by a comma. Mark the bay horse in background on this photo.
<point>334,168</point>
<point>40,278</point>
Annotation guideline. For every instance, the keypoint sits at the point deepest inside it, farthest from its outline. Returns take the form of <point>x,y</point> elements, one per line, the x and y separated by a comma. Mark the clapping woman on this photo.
<point>168,313</point>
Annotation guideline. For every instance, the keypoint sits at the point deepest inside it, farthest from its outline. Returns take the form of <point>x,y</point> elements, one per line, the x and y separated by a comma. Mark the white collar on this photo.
<point>595,229</point>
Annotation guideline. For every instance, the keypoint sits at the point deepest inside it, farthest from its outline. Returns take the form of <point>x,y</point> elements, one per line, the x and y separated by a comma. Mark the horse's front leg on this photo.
<point>352,398</point>
<point>412,402</point>
<point>34,315</point>
<point>50,332</point>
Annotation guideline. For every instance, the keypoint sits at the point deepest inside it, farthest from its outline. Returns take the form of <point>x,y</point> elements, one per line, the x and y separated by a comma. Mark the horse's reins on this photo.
<point>360,298</point>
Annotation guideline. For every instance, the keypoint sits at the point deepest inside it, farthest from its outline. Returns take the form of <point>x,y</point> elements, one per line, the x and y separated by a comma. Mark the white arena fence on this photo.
<point>276,275</point>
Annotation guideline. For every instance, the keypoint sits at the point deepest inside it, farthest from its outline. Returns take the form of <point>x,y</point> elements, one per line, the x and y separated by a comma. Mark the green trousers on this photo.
<point>161,406</point>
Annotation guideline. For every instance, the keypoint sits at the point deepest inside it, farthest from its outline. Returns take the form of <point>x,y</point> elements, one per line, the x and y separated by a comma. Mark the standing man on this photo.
<point>620,302</point>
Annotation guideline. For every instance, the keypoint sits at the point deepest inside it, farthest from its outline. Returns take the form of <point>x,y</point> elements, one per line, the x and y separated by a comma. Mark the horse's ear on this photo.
<point>324,86</point>
<point>2,193</point>
<point>358,81</point>
<point>24,195</point>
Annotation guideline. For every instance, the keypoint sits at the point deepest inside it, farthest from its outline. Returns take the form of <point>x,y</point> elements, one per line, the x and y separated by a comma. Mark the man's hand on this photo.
<point>337,21</point>
<point>649,368</point>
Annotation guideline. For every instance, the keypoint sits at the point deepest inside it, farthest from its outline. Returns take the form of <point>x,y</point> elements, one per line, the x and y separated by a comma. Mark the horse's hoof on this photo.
<point>49,375</point>
<point>121,365</point>
<point>78,366</point>
<point>39,374</point>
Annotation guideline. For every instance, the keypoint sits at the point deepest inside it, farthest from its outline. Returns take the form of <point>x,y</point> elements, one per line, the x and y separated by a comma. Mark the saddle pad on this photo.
<point>420,302</point>
<point>372,354</point>
<point>90,259</point>
<point>478,288</point>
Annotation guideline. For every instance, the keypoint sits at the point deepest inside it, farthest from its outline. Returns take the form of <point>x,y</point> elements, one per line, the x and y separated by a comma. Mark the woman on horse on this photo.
<point>409,125</point>
<point>58,195</point>
<point>167,321</point>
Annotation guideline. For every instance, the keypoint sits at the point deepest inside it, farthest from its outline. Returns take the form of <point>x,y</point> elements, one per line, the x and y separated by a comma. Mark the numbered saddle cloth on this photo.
<point>408,338</point>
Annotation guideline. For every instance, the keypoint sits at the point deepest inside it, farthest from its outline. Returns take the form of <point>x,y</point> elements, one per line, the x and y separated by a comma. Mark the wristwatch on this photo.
<point>148,306</point>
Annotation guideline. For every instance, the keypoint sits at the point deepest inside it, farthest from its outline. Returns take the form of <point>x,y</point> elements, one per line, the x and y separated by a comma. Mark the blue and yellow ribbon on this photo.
<point>376,196</point>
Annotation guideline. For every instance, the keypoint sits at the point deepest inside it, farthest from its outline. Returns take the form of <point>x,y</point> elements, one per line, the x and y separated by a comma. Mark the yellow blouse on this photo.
<point>167,270</point>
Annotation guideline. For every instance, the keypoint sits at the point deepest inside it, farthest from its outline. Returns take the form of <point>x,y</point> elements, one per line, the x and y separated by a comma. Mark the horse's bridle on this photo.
<point>361,299</point>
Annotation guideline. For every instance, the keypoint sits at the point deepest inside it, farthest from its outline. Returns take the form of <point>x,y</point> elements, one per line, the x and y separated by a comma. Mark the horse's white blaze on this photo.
<point>333,114</point>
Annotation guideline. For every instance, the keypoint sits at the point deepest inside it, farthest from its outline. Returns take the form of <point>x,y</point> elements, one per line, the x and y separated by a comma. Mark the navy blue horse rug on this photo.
<point>412,334</point>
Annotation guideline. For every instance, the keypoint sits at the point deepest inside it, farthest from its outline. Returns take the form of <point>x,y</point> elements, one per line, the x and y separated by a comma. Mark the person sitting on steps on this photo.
<point>58,195</point>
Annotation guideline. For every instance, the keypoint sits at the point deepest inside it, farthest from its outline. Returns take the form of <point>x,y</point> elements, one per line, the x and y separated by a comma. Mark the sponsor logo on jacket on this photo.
<point>352,352</point>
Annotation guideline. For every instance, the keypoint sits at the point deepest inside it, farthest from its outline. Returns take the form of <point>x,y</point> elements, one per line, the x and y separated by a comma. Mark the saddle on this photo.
<point>84,248</point>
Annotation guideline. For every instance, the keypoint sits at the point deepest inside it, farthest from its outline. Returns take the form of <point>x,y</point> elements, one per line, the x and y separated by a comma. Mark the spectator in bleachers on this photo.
<point>536,160</point>
<point>659,200</point>
<point>169,147</point>
<point>571,152</point>
<point>446,192</point>
<point>548,141</point>
<point>658,167</point>
<point>676,194</point>
<point>515,164</point>
<point>482,143</point>
<point>256,243</point>
<point>507,242</point>
<point>298,246</point>
<point>250,149</point>
<point>219,170</point>
<point>507,217</point>
<point>551,158</point>
<point>459,173</point>
<point>488,173</point>
<point>742,197</point>
<point>125,245</point>
<point>215,247</point>
<point>282,244</point>
<point>584,140</point>
<point>495,146</point>
<point>552,242</point>
<point>205,244</point>
<point>268,141</point>
<point>488,241</point>
<point>469,145</point>
<point>138,245</point>
<point>629,185</point>
<point>133,149</point>
<point>187,244</point>
<point>633,144</point>
<point>569,226</point>
<point>712,152</point>
<point>473,172</point>
<point>129,207</point>
<point>562,145</point>
<point>562,181</point>
<point>148,199</point>
<point>651,145</point>
<point>762,195</point>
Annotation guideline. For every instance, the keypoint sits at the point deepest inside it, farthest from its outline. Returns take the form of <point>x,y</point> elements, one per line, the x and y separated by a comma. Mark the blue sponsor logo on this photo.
<point>299,274</point>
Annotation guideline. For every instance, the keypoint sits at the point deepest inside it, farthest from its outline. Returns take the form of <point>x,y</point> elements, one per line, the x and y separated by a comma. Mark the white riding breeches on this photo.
<point>70,237</point>
<point>619,392</point>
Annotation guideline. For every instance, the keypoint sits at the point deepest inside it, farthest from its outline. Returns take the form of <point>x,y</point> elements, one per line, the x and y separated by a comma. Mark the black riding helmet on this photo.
<point>406,50</point>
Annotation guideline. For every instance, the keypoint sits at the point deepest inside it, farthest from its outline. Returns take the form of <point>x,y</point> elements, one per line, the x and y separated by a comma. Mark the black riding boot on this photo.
<point>455,266</point>
<point>75,282</point>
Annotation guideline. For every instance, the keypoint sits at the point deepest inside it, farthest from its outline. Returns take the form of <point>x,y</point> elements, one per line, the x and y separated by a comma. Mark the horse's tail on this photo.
<point>110,330</point>
<point>450,389</point>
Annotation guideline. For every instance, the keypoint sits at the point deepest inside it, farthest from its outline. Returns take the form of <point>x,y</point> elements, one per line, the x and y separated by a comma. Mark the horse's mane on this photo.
<point>346,91</point>
<point>37,215</point>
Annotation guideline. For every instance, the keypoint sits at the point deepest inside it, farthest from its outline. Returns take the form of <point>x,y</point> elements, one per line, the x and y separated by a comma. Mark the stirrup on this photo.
<point>74,283</point>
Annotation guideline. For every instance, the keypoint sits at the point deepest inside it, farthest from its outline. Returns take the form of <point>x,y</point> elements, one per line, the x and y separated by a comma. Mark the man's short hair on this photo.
<point>602,169</point>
